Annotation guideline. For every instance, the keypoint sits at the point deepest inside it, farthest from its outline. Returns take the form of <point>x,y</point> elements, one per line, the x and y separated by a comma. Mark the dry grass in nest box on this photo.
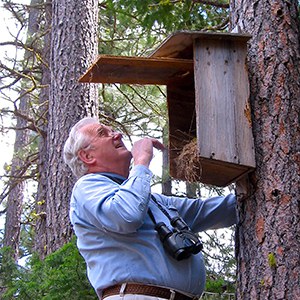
<point>188,162</point>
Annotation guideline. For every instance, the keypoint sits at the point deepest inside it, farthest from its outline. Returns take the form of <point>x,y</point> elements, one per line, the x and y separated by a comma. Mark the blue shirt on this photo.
<point>117,239</point>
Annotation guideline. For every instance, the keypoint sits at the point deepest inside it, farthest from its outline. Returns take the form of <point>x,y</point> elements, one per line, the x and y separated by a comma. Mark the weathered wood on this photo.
<point>180,43</point>
<point>222,93</point>
<point>222,112</point>
<point>137,70</point>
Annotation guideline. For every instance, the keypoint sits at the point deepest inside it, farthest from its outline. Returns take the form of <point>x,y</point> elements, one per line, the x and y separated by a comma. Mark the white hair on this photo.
<point>76,141</point>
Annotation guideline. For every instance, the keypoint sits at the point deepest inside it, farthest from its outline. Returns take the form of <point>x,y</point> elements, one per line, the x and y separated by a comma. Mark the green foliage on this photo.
<point>169,15</point>
<point>133,27</point>
<point>218,285</point>
<point>26,240</point>
<point>219,260</point>
<point>61,275</point>
<point>7,266</point>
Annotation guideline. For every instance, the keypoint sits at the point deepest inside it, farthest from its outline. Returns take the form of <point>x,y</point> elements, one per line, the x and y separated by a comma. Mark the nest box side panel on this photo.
<point>182,119</point>
<point>222,103</point>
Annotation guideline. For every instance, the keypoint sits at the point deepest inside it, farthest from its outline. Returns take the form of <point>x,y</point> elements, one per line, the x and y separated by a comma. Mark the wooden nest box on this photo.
<point>207,96</point>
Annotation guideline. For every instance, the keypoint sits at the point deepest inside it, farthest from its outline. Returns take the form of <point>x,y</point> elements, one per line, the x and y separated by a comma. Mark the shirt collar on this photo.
<point>115,177</point>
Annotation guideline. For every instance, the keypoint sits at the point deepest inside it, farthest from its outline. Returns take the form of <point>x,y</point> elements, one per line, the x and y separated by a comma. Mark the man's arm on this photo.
<point>200,215</point>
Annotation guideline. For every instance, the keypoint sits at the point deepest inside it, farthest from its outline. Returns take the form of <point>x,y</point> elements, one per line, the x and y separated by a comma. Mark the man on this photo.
<point>116,220</point>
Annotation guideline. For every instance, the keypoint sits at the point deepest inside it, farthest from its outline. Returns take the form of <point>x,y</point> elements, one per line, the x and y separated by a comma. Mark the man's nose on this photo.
<point>117,135</point>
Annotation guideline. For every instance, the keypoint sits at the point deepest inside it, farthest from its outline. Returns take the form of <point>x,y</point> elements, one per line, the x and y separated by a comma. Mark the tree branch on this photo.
<point>18,176</point>
<point>212,3</point>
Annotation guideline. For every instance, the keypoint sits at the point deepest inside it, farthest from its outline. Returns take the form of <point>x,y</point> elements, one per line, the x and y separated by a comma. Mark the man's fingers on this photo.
<point>158,145</point>
<point>142,150</point>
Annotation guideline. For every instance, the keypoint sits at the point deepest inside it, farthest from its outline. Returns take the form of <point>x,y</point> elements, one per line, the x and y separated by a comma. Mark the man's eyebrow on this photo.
<point>100,130</point>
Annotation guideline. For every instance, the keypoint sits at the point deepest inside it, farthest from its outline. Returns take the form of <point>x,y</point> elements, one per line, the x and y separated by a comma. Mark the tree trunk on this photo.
<point>19,162</point>
<point>15,198</point>
<point>74,47</point>
<point>166,179</point>
<point>269,233</point>
<point>40,226</point>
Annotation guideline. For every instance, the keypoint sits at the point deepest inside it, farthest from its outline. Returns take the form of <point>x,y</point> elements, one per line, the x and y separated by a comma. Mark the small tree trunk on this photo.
<point>19,163</point>
<point>269,233</point>
<point>15,198</point>
<point>166,179</point>
<point>40,226</point>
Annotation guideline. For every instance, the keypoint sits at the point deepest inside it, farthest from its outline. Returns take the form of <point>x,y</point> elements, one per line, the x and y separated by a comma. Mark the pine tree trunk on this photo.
<point>74,47</point>
<point>269,233</point>
<point>15,198</point>
<point>40,226</point>
<point>19,163</point>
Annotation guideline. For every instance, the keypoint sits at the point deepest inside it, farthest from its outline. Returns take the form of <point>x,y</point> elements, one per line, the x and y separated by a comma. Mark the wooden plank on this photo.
<point>180,43</point>
<point>137,70</point>
<point>222,95</point>
<point>220,173</point>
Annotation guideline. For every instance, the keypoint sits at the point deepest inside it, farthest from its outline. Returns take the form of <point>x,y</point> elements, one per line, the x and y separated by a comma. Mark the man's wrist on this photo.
<point>145,163</point>
<point>139,170</point>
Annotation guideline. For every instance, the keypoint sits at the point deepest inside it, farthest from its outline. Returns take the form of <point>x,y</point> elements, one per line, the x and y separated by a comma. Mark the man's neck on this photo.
<point>124,173</point>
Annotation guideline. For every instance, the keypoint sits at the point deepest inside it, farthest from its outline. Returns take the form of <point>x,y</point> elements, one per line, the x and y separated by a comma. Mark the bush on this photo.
<point>61,275</point>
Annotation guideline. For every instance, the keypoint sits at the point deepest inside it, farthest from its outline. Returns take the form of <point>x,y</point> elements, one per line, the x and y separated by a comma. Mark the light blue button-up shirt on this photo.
<point>117,239</point>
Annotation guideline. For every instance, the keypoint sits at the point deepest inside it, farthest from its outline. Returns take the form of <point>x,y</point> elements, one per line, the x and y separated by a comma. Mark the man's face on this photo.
<point>107,149</point>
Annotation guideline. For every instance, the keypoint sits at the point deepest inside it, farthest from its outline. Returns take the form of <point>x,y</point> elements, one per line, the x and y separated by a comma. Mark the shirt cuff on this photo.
<point>140,171</point>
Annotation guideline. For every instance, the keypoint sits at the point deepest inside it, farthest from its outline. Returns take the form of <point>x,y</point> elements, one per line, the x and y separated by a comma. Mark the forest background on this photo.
<point>51,46</point>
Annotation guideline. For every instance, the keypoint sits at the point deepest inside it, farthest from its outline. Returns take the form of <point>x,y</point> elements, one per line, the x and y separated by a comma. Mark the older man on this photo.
<point>136,245</point>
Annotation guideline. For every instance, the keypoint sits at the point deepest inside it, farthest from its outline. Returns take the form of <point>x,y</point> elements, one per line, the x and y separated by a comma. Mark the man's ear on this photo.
<point>86,157</point>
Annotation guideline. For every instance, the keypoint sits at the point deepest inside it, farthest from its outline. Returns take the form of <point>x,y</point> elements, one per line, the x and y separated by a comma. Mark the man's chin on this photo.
<point>127,157</point>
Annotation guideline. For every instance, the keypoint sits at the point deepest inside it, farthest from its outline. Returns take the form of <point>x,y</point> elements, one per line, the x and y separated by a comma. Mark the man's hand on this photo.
<point>142,150</point>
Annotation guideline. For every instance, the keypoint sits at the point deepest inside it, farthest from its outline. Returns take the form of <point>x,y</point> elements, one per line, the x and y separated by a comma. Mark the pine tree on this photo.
<point>269,242</point>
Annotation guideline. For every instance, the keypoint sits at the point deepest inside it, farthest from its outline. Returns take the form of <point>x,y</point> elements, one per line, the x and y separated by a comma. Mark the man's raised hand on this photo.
<point>142,150</point>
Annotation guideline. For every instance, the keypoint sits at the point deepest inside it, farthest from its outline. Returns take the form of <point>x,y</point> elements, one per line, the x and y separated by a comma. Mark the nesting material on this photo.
<point>188,162</point>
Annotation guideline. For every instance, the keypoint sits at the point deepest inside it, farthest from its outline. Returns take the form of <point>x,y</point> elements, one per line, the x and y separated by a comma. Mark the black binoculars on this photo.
<point>180,242</point>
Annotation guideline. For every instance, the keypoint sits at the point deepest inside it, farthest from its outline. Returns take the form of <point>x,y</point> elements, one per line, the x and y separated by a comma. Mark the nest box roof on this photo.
<point>180,44</point>
<point>172,60</point>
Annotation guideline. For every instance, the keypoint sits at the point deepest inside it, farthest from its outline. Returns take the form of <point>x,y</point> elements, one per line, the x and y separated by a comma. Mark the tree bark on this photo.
<point>18,166</point>
<point>15,198</point>
<point>269,232</point>
<point>40,226</point>
<point>74,47</point>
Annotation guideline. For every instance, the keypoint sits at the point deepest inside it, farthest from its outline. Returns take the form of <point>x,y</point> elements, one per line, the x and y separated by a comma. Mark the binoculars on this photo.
<point>180,242</point>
